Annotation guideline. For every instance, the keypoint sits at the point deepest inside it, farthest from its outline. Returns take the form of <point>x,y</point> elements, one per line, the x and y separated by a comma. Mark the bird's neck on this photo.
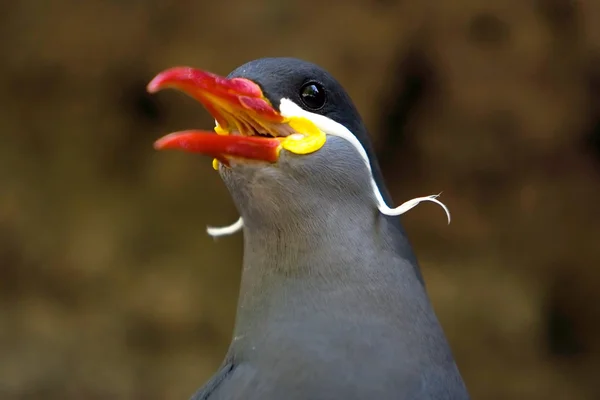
<point>286,246</point>
<point>340,259</point>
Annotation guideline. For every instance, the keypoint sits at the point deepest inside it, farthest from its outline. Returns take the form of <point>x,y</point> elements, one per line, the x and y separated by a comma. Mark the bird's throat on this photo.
<point>305,268</point>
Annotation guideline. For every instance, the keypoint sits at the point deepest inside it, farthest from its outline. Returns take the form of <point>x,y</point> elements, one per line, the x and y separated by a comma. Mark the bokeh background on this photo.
<point>110,287</point>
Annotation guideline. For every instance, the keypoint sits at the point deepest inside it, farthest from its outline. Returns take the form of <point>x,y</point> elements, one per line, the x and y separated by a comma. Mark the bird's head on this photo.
<point>288,137</point>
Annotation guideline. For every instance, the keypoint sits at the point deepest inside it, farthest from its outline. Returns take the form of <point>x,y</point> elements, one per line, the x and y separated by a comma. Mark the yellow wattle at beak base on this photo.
<point>308,139</point>
<point>220,131</point>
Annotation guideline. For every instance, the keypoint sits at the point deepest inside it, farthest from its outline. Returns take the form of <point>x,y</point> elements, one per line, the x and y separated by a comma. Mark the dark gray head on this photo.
<point>335,174</point>
<point>307,85</point>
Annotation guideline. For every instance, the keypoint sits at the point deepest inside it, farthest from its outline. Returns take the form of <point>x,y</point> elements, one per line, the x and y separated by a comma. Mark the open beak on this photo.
<point>248,127</point>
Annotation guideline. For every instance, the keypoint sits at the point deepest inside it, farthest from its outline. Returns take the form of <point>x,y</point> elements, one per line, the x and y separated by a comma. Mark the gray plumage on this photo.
<point>332,305</point>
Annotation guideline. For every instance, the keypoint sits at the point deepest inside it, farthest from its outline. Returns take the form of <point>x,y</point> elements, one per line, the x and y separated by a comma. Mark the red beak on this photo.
<point>240,109</point>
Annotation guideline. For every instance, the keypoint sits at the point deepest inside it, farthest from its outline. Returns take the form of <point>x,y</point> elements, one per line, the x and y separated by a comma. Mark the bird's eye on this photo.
<point>313,95</point>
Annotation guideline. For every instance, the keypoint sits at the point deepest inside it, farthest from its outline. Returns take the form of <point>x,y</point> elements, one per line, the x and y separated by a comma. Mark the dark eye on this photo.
<point>313,95</point>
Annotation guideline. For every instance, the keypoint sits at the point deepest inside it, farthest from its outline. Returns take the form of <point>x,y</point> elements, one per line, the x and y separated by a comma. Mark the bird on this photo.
<point>332,302</point>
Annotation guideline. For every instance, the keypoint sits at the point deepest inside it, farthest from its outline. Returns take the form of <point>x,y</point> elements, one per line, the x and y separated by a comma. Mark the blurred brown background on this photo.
<point>110,287</point>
